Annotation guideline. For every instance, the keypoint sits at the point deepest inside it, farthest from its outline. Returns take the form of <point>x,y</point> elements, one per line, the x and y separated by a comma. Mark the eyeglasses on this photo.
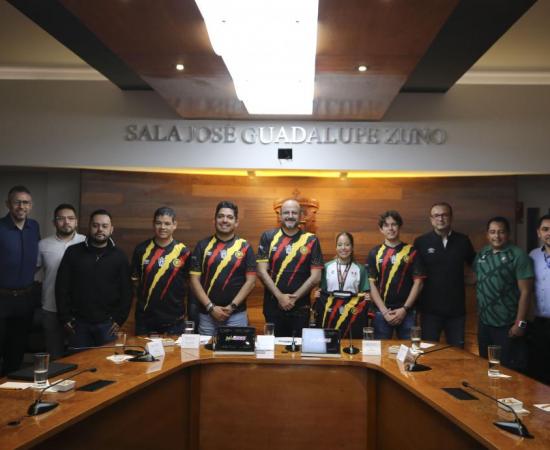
<point>441,216</point>
<point>21,202</point>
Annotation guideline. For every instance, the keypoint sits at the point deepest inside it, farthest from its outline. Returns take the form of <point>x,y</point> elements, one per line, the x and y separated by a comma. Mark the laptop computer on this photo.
<point>235,341</point>
<point>54,369</point>
<point>321,342</point>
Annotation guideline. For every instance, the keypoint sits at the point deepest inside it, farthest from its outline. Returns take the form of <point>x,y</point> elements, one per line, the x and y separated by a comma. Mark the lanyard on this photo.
<point>342,276</point>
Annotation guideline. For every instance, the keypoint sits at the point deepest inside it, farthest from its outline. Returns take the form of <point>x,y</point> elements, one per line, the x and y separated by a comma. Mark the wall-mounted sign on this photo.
<point>286,135</point>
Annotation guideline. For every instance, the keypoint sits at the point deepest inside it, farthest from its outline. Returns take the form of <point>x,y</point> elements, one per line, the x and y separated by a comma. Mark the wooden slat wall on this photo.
<point>351,205</point>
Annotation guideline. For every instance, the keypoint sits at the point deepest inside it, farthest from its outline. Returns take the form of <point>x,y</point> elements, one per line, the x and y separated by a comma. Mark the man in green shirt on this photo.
<point>504,281</point>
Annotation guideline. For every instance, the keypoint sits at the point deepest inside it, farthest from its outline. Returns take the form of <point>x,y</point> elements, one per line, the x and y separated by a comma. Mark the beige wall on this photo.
<point>82,124</point>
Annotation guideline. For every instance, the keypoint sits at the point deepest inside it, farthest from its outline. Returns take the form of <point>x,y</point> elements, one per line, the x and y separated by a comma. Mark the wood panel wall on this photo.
<point>352,205</point>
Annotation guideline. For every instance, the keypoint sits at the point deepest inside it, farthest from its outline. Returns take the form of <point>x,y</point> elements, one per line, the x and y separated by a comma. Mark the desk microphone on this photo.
<point>516,427</point>
<point>414,367</point>
<point>40,407</point>
<point>350,350</point>
<point>145,356</point>
<point>293,347</point>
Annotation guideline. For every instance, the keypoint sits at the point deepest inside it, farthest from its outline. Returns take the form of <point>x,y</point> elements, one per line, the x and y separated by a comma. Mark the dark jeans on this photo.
<point>54,334</point>
<point>514,350</point>
<point>383,330</point>
<point>15,323</point>
<point>145,326</point>
<point>288,323</point>
<point>91,334</point>
<point>433,324</point>
<point>539,349</point>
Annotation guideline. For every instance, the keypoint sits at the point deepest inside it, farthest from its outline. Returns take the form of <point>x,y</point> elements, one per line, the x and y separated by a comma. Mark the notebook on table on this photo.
<point>321,342</point>
<point>54,369</point>
<point>235,341</point>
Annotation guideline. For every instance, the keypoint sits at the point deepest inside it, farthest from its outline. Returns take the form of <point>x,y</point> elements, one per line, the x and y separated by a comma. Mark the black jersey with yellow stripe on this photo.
<point>222,267</point>
<point>394,269</point>
<point>290,259</point>
<point>161,276</point>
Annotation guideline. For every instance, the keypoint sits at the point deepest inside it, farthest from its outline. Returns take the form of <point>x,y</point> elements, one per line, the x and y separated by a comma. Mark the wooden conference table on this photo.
<point>195,400</point>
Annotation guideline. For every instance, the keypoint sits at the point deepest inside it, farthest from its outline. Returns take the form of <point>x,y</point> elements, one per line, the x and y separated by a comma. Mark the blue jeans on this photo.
<point>433,325</point>
<point>208,326</point>
<point>514,350</point>
<point>91,334</point>
<point>383,330</point>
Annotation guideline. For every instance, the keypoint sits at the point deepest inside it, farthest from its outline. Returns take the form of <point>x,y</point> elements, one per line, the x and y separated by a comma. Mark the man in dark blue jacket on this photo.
<point>93,289</point>
<point>19,238</point>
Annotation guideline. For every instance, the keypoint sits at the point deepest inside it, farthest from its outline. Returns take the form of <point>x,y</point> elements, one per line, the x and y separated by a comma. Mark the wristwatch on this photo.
<point>521,324</point>
<point>406,308</point>
<point>209,307</point>
<point>233,306</point>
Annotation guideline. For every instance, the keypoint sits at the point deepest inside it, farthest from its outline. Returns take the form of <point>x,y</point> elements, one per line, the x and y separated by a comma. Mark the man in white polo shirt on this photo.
<point>50,253</point>
<point>539,333</point>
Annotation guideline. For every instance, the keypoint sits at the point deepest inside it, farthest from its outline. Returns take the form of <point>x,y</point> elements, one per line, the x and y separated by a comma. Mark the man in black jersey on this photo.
<point>290,263</point>
<point>223,273</point>
<point>396,277</point>
<point>92,289</point>
<point>159,272</point>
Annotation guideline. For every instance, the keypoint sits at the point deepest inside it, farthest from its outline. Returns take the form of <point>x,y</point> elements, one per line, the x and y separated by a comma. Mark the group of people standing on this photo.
<point>88,285</point>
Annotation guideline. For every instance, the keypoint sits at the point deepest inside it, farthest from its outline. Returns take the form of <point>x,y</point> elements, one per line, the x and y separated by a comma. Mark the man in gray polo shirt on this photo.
<point>51,251</point>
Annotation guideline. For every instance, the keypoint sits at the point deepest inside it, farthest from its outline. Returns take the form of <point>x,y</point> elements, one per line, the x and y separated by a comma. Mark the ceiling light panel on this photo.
<point>269,49</point>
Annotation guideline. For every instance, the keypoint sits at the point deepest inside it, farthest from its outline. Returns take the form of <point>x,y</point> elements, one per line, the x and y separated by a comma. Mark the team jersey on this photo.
<point>497,283</point>
<point>342,312</point>
<point>161,274</point>
<point>222,267</point>
<point>290,260</point>
<point>394,270</point>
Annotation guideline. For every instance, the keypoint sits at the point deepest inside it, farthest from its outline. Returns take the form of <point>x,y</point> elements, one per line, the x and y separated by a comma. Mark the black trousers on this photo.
<point>287,323</point>
<point>539,349</point>
<point>15,324</point>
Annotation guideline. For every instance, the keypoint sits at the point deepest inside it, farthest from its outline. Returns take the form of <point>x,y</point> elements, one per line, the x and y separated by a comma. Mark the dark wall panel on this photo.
<point>351,205</point>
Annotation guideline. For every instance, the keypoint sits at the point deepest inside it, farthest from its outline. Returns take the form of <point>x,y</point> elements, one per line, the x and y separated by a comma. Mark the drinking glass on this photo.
<point>368,333</point>
<point>41,365</point>
<point>416,333</point>
<point>120,341</point>
<point>189,327</point>
<point>269,329</point>
<point>494,360</point>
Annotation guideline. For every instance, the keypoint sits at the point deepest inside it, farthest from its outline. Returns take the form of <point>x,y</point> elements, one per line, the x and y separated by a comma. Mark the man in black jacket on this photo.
<point>444,252</point>
<point>93,289</point>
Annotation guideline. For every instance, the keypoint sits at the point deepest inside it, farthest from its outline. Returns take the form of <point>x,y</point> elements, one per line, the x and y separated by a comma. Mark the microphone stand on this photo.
<point>516,427</point>
<point>293,347</point>
<point>40,407</point>
<point>414,367</point>
<point>350,350</point>
<point>144,357</point>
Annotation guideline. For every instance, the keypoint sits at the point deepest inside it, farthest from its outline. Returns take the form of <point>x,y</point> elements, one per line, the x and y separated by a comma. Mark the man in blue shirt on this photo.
<point>539,332</point>
<point>19,238</point>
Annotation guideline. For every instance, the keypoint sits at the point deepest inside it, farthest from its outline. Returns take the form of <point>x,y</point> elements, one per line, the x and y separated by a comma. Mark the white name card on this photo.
<point>372,348</point>
<point>265,343</point>
<point>190,340</point>
<point>155,348</point>
<point>403,353</point>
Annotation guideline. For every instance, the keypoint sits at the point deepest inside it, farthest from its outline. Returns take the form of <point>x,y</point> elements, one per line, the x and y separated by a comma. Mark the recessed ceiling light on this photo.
<point>180,67</point>
<point>362,68</point>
